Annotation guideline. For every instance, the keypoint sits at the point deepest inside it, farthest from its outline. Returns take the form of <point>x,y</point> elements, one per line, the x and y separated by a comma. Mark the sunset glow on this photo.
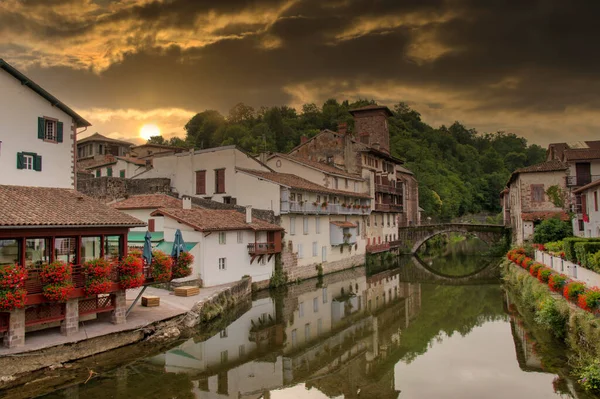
<point>149,130</point>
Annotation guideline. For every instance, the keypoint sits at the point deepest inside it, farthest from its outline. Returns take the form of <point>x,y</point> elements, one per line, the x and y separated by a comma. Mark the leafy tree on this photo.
<point>201,128</point>
<point>552,229</point>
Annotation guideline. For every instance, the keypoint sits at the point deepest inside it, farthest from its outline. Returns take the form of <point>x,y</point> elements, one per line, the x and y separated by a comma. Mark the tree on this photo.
<point>160,140</point>
<point>201,128</point>
<point>552,229</point>
<point>241,113</point>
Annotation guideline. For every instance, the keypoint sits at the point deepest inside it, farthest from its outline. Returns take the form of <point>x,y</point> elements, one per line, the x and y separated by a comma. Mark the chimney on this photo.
<point>342,128</point>
<point>303,139</point>
<point>249,214</point>
<point>187,202</point>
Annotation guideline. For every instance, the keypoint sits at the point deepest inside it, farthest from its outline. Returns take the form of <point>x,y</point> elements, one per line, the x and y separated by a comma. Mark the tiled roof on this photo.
<point>164,146</point>
<point>323,167</point>
<point>535,216</point>
<point>132,160</point>
<point>548,166</point>
<point>343,224</point>
<point>593,184</point>
<point>148,201</point>
<point>582,154</point>
<point>99,137</point>
<point>372,107</point>
<point>293,181</point>
<point>215,220</point>
<point>43,207</point>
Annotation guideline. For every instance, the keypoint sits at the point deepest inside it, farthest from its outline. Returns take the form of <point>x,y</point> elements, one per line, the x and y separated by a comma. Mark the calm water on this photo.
<point>353,336</point>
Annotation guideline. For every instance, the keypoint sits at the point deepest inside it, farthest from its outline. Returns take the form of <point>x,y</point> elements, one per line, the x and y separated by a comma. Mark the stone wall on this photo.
<point>107,189</point>
<point>294,272</point>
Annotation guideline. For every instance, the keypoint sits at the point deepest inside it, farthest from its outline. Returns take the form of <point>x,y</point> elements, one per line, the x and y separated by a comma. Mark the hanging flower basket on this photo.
<point>56,281</point>
<point>182,265</point>
<point>58,292</point>
<point>97,273</point>
<point>12,277</point>
<point>130,271</point>
<point>12,299</point>
<point>161,266</point>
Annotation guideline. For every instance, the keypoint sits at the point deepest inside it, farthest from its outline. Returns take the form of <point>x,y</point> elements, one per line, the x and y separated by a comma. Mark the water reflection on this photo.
<point>349,335</point>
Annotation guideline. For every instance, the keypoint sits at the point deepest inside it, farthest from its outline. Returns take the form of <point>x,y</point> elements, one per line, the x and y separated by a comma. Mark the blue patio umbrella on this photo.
<point>178,244</point>
<point>147,252</point>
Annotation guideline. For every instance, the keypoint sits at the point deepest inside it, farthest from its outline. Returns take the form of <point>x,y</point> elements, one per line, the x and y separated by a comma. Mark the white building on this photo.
<point>587,224</point>
<point>37,134</point>
<point>114,166</point>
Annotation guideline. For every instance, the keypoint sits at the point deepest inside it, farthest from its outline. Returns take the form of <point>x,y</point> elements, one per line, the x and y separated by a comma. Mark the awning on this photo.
<point>138,236</point>
<point>167,246</point>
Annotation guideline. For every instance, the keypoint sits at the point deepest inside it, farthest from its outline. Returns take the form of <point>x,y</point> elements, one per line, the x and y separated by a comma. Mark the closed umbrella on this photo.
<point>147,252</point>
<point>178,244</point>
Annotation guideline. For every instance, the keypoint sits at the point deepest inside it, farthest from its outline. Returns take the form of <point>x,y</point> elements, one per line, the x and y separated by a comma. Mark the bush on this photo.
<point>589,377</point>
<point>572,290</point>
<point>534,268</point>
<point>589,300</point>
<point>544,275</point>
<point>551,317</point>
<point>594,261</point>
<point>556,282</point>
<point>554,247</point>
<point>583,250</point>
<point>552,230</point>
<point>569,244</point>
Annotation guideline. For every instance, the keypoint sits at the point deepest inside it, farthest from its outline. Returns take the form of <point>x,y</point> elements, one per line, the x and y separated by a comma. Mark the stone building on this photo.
<point>526,202</point>
<point>97,148</point>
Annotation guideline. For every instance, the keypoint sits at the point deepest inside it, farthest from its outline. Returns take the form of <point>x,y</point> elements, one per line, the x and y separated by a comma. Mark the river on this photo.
<point>392,334</point>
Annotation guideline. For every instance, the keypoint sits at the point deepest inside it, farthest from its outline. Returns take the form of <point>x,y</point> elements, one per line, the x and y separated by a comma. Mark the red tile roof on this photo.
<point>548,166</point>
<point>99,137</point>
<point>343,224</point>
<point>148,201</point>
<point>296,182</point>
<point>535,216</point>
<point>587,187</point>
<point>323,167</point>
<point>44,207</point>
<point>582,154</point>
<point>215,220</point>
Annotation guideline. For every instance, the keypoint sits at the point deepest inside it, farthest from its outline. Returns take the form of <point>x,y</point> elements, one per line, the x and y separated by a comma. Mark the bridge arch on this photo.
<point>415,236</point>
<point>418,270</point>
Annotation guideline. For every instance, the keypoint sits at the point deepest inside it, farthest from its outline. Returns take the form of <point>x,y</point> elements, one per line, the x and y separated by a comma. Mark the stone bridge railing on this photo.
<point>415,236</point>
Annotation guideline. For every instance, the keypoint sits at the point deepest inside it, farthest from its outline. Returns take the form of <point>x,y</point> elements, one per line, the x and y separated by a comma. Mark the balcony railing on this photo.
<point>329,209</point>
<point>578,181</point>
<point>395,244</point>
<point>375,248</point>
<point>389,207</point>
<point>262,248</point>
<point>385,188</point>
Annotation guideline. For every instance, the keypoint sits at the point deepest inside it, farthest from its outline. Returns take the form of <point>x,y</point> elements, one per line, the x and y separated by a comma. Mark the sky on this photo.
<point>522,66</point>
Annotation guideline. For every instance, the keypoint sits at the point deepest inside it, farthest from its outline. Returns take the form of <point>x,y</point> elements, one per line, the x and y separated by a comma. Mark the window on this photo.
<point>100,149</point>
<point>122,173</point>
<point>223,333</point>
<point>200,182</point>
<point>596,201</point>
<point>50,130</point>
<point>109,171</point>
<point>224,356</point>
<point>90,248</point>
<point>219,181</point>
<point>315,304</point>
<point>292,197</point>
<point>294,338</point>
<point>324,254</point>
<point>64,249</point>
<point>355,186</point>
<point>301,309</point>
<point>319,327</point>
<point>335,182</point>
<point>357,228</point>
<point>315,249</point>
<point>9,252</point>
<point>300,251</point>
<point>29,161</point>
<point>222,264</point>
<point>112,247</point>
<point>346,183</point>
<point>318,225</point>
<point>305,225</point>
<point>222,237</point>
<point>97,172</point>
<point>240,237</point>
<point>324,294</point>
<point>388,220</point>
<point>375,220</point>
<point>307,332</point>
<point>537,193</point>
<point>292,225</point>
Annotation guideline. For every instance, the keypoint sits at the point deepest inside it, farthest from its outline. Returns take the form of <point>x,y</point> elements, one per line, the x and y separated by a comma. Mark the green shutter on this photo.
<point>19,160</point>
<point>37,163</point>
<point>122,173</point>
<point>109,172</point>
<point>97,172</point>
<point>40,128</point>
<point>59,132</point>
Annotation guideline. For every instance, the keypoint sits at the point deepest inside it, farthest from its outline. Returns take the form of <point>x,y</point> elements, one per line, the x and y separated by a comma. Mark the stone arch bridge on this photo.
<point>416,270</point>
<point>415,236</point>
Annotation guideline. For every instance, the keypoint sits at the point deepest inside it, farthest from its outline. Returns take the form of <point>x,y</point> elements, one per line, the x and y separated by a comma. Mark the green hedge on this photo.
<point>583,250</point>
<point>569,246</point>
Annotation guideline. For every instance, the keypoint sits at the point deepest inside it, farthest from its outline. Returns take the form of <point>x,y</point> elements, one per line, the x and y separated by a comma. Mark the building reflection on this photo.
<point>336,334</point>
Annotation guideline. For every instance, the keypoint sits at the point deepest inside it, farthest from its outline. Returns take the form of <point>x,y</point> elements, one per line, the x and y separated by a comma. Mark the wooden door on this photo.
<point>583,173</point>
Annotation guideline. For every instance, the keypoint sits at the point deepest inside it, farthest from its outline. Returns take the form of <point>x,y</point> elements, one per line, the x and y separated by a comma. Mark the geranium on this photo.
<point>161,266</point>
<point>97,273</point>
<point>182,266</point>
<point>130,271</point>
<point>12,277</point>
<point>55,272</point>
<point>556,282</point>
<point>58,292</point>
<point>589,300</point>
<point>12,299</point>
<point>98,286</point>
<point>534,268</point>
<point>572,290</point>
<point>544,274</point>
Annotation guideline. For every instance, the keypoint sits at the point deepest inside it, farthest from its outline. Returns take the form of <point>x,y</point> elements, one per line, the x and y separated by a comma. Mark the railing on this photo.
<point>389,207</point>
<point>262,248</point>
<point>384,188</point>
<point>374,248</point>
<point>395,244</point>
<point>578,181</point>
<point>329,209</point>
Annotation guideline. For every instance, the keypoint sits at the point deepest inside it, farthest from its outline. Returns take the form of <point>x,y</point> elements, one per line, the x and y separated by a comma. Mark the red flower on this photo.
<point>55,272</point>
<point>12,299</point>
<point>130,271</point>
<point>161,266</point>
<point>58,292</point>
<point>182,265</point>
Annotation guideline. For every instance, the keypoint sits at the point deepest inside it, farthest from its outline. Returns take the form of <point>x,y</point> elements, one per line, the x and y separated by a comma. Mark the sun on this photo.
<point>149,130</point>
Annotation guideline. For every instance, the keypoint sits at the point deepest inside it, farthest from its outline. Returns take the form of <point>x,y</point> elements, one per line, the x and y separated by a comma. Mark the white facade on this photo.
<point>591,225</point>
<point>119,168</point>
<point>20,108</point>
<point>243,189</point>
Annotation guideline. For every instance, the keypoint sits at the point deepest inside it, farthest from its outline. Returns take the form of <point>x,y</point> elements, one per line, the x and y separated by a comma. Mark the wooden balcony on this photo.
<point>580,180</point>
<point>309,208</point>
<point>376,248</point>
<point>389,208</point>
<point>388,189</point>
<point>263,248</point>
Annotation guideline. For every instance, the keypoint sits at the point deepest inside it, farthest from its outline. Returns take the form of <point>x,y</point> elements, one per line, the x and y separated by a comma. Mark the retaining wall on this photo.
<point>574,271</point>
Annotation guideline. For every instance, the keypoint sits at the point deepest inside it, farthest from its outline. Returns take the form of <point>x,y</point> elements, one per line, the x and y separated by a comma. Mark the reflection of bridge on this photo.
<point>416,270</point>
<point>415,236</point>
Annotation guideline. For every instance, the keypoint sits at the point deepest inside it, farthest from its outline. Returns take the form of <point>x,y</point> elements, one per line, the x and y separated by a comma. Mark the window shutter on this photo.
<point>19,160</point>
<point>220,181</point>
<point>97,172</point>
<point>109,172</point>
<point>37,163</point>
<point>201,182</point>
<point>40,128</point>
<point>59,132</point>
<point>151,225</point>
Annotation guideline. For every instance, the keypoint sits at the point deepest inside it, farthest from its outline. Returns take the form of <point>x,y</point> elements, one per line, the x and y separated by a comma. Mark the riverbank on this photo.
<point>577,329</point>
<point>174,318</point>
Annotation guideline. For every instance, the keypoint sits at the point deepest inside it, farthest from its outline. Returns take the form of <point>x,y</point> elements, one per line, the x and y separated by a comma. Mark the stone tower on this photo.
<point>371,127</point>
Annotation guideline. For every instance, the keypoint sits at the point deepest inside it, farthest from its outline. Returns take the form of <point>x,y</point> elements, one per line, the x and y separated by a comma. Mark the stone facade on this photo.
<point>371,128</point>
<point>118,315</point>
<point>15,336</point>
<point>70,325</point>
<point>294,272</point>
<point>107,189</point>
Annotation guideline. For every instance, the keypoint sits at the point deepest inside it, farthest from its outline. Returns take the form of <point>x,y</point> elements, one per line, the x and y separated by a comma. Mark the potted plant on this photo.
<point>131,271</point>
<point>182,265</point>
<point>56,281</point>
<point>161,266</point>
<point>12,293</point>
<point>315,203</point>
<point>97,276</point>
<point>324,204</point>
